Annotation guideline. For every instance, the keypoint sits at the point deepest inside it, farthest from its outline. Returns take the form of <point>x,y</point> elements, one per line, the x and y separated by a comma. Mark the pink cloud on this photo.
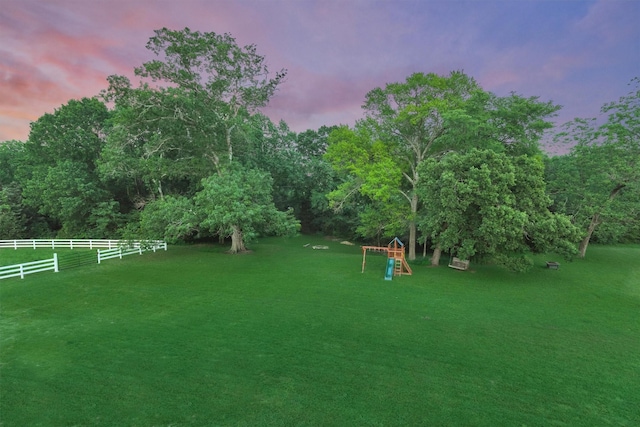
<point>611,21</point>
<point>43,77</point>
<point>316,100</point>
<point>336,51</point>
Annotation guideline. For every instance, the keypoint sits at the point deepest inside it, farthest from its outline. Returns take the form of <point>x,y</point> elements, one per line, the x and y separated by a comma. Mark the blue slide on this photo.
<point>390,266</point>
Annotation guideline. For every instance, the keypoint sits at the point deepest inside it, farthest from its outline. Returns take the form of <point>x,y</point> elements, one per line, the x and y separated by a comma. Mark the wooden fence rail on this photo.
<point>29,268</point>
<point>72,243</point>
<point>123,251</point>
<point>115,248</point>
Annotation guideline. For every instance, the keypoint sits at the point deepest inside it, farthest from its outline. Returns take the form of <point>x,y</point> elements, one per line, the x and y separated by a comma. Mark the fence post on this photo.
<point>120,251</point>
<point>98,256</point>
<point>21,271</point>
<point>55,263</point>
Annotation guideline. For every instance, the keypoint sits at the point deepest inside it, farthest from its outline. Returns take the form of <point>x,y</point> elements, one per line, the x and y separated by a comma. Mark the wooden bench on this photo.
<point>553,265</point>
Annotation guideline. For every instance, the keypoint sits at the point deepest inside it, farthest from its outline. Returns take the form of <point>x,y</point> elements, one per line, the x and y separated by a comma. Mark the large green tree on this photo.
<point>491,204</point>
<point>195,96</point>
<point>319,178</point>
<point>58,170</point>
<point>191,116</point>
<point>599,181</point>
<point>240,205</point>
<point>228,204</point>
<point>410,119</point>
<point>74,196</point>
<point>271,148</point>
<point>370,182</point>
<point>18,220</point>
<point>425,117</point>
<point>148,150</point>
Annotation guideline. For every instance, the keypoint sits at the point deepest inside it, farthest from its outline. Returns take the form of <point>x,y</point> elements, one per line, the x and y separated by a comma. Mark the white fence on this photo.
<point>137,248</point>
<point>71,243</point>
<point>29,268</point>
<point>115,249</point>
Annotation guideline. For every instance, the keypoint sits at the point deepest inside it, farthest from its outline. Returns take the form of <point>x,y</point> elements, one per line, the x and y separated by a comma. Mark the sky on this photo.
<point>576,53</point>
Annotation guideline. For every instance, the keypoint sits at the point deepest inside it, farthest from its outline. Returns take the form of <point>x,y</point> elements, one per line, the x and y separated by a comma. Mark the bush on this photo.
<point>517,263</point>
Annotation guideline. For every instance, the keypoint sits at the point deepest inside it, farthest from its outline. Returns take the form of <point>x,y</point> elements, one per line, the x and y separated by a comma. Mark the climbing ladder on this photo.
<point>401,267</point>
<point>398,269</point>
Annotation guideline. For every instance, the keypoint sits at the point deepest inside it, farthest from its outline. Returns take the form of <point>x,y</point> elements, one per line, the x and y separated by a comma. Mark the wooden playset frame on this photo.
<point>395,250</point>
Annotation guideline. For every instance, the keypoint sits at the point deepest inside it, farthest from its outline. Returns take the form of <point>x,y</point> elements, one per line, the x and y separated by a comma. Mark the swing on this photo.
<point>458,263</point>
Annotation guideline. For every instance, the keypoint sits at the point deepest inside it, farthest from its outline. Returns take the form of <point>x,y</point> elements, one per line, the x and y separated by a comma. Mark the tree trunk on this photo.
<point>585,242</point>
<point>435,259</point>
<point>412,240</point>
<point>158,184</point>
<point>229,145</point>
<point>412,227</point>
<point>237,243</point>
<point>595,221</point>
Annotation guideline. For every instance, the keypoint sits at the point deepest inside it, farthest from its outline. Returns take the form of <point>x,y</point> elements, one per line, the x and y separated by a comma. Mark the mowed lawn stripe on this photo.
<point>288,335</point>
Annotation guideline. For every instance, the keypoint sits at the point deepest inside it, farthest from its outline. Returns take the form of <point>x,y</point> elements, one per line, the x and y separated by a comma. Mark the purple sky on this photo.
<point>579,54</point>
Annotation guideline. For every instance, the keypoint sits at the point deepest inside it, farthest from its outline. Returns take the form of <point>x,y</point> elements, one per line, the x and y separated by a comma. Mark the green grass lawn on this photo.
<point>22,255</point>
<point>292,336</point>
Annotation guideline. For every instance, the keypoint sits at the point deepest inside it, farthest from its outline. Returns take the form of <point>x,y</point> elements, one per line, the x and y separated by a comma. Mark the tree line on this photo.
<point>185,154</point>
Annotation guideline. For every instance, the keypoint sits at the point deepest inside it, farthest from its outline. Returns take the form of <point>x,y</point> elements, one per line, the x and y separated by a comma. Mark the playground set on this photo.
<point>396,262</point>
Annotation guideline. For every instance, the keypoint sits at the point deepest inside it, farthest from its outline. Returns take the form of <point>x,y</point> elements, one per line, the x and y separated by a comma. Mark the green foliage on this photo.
<point>12,218</point>
<point>172,218</point>
<point>331,222</point>
<point>152,146</point>
<point>75,132</point>
<point>70,194</point>
<point>271,148</point>
<point>382,221</point>
<point>422,118</point>
<point>237,201</point>
<point>190,110</point>
<point>11,156</point>
<point>489,203</point>
<point>58,172</point>
<point>516,263</point>
<point>187,155</point>
<point>211,62</point>
<point>409,120</point>
<point>313,144</point>
<point>369,184</point>
<point>195,114</point>
<point>241,199</point>
<point>371,169</point>
<point>599,181</point>
<point>295,162</point>
<point>518,123</point>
